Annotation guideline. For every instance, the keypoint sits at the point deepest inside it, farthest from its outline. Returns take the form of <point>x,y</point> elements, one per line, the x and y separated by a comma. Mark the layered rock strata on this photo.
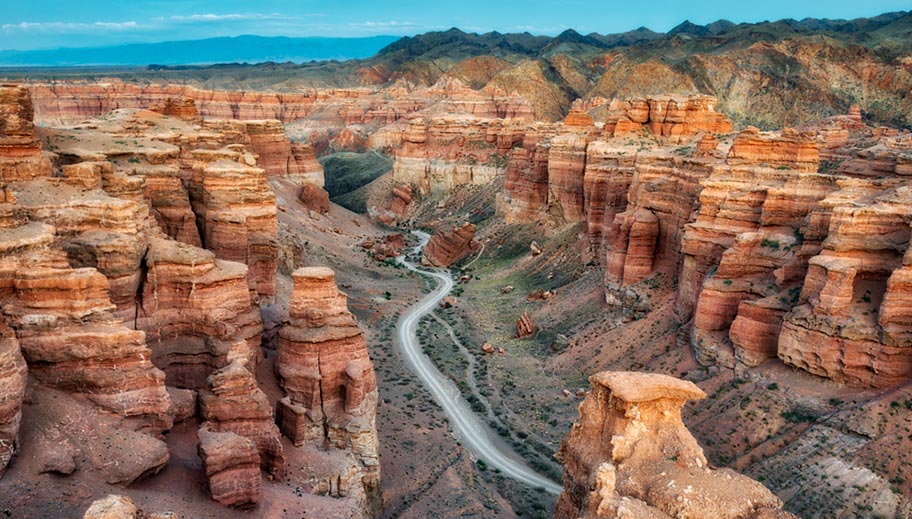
<point>323,365</point>
<point>197,312</point>
<point>666,116</point>
<point>20,151</point>
<point>631,456</point>
<point>232,402</point>
<point>12,390</point>
<point>236,213</point>
<point>231,464</point>
<point>438,154</point>
<point>72,341</point>
<point>450,246</point>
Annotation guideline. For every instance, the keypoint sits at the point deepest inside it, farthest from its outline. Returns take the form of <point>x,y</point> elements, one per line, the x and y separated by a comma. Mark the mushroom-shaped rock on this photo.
<point>630,441</point>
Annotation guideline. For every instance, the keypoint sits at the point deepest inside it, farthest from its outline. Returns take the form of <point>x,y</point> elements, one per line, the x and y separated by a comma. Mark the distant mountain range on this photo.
<point>238,49</point>
<point>768,74</point>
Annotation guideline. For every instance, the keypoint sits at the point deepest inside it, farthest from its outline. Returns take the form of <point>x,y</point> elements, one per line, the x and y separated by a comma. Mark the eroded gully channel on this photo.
<point>472,432</point>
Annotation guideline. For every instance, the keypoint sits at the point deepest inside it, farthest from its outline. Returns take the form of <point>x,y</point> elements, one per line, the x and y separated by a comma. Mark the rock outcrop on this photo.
<point>231,463</point>
<point>12,390</point>
<point>197,312</point>
<point>72,341</point>
<point>525,327</point>
<point>667,116</point>
<point>120,507</point>
<point>280,157</point>
<point>232,402</point>
<point>20,151</point>
<point>314,198</point>
<point>112,507</point>
<point>447,247</point>
<point>323,365</point>
<point>438,154</point>
<point>630,456</point>
<point>236,211</point>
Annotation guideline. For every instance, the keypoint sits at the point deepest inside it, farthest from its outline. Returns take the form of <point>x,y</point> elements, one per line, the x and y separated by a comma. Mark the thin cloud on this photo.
<point>212,17</point>
<point>69,26</point>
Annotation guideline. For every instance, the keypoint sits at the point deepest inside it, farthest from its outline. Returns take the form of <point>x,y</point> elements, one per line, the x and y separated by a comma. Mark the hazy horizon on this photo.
<point>54,24</point>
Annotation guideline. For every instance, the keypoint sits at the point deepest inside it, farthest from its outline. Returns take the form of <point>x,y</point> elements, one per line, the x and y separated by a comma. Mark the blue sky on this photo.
<point>35,24</point>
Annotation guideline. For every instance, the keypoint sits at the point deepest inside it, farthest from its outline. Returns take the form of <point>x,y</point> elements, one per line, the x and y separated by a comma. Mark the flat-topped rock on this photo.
<point>634,386</point>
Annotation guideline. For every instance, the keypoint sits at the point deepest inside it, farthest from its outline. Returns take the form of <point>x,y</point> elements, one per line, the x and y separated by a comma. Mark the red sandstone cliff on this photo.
<point>450,246</point>
<point>323,365</point>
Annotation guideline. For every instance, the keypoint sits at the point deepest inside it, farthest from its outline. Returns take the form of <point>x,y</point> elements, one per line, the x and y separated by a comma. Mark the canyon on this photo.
<point>139,254</point>
<point>694,316</point>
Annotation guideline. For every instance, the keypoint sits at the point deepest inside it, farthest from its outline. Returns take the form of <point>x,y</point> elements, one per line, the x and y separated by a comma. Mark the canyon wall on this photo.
<point>135,251</point>
<point>323,366</point>
<point>760,230</point>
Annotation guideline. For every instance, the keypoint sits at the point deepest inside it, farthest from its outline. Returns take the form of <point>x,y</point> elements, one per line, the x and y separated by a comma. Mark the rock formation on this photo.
<point>232,402</point>
<point>402,200</point>
<point>71,340</point>
<point>112,507</point>
<point>323,365</point>
<point>631,456</point>
<point>441,153</point>
<point>106,293</point>
<point>20,151</point>
<point>12,390</point>
<point>197,312</point>
<point>525,327</point>
<point>314,198</point>
<point>236,211</point>
<point>280,157</point>
<point>174,107</point>
<point>447,247</point>
<point>667,116</point>
<point>231,463</point>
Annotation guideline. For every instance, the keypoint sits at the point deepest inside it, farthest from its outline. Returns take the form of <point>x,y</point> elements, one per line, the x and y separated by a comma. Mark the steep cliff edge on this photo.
<point>115,316</point>
<point>323,366</point>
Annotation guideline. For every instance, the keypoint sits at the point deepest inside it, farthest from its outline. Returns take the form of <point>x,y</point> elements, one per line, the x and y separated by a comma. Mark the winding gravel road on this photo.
<point>471,431</point>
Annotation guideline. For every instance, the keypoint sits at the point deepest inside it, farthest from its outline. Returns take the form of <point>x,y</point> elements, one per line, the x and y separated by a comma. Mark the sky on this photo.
<point>45,24</point>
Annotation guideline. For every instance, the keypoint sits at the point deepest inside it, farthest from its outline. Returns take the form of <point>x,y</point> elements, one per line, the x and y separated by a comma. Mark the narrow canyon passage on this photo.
<point>471,431</point>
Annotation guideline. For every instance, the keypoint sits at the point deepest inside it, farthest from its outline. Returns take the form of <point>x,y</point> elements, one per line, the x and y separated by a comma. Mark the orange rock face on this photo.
<point>450,246</point>
<point>323,365</point>
<point>237,213</point>
<point>609,171</point>
<point>63,101</point>
<point>525,327</point>
<point>174,107</point>
<point>630,455</point>
<point>525,195</point>
<point>314,198</point>
<point>232,466</point>
<point>278,156</point>
<point>633,241</point>
<point>232,402</point>
<point>197,312</point>
<point>667,116</point>
<point>77,345</point>
<point>20,151</point>
<point>789,150</point>
<point>12,390</point>
<point>850,320</point>
<point>443,152</point>
<point>566,167</point>
<point>402,200</point>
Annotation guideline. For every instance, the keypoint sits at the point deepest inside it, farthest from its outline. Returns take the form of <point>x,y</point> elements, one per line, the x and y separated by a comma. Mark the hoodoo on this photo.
<point>324,368</point>
<point>630,456</point>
